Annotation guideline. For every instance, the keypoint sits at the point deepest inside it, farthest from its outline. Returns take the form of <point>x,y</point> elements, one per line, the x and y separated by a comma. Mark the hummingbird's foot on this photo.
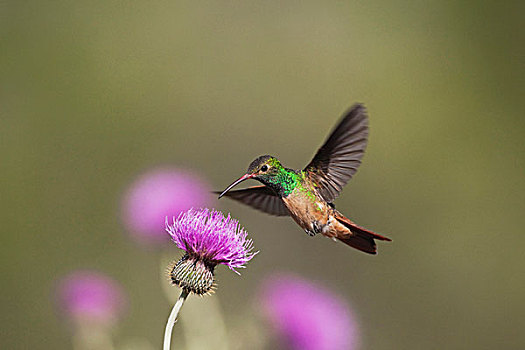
<point>310,233</point>
<point>316,228</point>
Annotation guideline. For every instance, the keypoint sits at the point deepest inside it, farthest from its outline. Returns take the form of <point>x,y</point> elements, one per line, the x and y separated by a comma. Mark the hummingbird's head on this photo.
<point>262,168</point>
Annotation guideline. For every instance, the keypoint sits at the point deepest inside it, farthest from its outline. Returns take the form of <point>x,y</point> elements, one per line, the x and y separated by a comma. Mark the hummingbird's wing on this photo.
<point>261,198</point>
<point>339,157</point>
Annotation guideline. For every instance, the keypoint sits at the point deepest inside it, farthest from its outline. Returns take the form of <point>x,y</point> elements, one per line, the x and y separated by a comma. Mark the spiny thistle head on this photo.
<point>209,239</point>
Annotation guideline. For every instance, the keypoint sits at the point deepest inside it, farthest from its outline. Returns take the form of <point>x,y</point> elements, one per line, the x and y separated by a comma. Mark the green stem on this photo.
<point>173,318</point>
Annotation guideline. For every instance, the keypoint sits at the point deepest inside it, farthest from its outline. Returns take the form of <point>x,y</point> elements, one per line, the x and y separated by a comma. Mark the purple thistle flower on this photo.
<point>209,239</point>
<point>89,296</point>
<point>308,316</point>
<point>159,193</point>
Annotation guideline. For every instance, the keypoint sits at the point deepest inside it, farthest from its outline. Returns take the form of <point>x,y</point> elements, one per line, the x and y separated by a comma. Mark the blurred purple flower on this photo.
<point>209,239</point>
<point>90,296</point>
<point>308,316</point>
<point>160,193</point>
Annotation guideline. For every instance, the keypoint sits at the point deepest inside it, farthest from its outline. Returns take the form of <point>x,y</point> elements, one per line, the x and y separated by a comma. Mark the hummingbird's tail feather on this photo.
<point>361,238</point>
<point>362,243</point>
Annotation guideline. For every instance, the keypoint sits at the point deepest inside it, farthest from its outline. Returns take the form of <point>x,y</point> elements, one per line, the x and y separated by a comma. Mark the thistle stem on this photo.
<point>173,318</point>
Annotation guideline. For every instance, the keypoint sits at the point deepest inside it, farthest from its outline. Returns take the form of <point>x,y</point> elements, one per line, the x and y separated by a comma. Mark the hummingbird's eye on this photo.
<point>264,168</point>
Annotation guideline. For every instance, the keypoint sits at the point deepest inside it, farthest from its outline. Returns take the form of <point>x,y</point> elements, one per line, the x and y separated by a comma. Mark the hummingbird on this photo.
<point>307,195</point>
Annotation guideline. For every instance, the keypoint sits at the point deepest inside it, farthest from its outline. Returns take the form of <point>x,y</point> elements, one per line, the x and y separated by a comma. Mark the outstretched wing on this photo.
<point>339,157</point>
<point>261,198</point>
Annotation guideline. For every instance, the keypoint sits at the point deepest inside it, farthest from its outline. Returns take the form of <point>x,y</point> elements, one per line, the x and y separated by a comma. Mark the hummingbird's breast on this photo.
<point>308,210</point>
<point>313,214</point>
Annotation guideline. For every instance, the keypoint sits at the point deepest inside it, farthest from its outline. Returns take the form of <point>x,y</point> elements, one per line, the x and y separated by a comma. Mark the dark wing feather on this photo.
<point>261,198</point>
<point>339,157</point>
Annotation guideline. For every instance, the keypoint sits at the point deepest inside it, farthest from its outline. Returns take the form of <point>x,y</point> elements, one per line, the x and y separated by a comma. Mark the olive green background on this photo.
<point>93,93</point>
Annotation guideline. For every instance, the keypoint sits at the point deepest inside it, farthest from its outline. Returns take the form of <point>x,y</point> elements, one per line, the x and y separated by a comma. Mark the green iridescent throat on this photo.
<point>283,181</point>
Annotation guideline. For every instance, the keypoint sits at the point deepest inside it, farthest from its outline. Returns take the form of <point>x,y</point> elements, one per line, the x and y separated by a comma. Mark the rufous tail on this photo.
<point>360,238</point>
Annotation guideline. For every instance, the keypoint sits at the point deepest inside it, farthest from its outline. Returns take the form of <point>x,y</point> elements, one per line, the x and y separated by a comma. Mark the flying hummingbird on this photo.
<point>307,195</point>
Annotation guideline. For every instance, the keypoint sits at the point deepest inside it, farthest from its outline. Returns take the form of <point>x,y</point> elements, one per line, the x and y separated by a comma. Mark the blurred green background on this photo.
<point>92,94</point>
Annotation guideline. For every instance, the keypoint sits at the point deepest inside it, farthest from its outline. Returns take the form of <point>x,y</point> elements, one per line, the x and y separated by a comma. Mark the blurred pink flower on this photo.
<point>161,193</point>
<point>90,296</point>
<point>307,316</point>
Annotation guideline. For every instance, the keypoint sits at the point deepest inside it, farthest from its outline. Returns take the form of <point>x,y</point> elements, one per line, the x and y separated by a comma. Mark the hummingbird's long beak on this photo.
<point>236,182</point>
